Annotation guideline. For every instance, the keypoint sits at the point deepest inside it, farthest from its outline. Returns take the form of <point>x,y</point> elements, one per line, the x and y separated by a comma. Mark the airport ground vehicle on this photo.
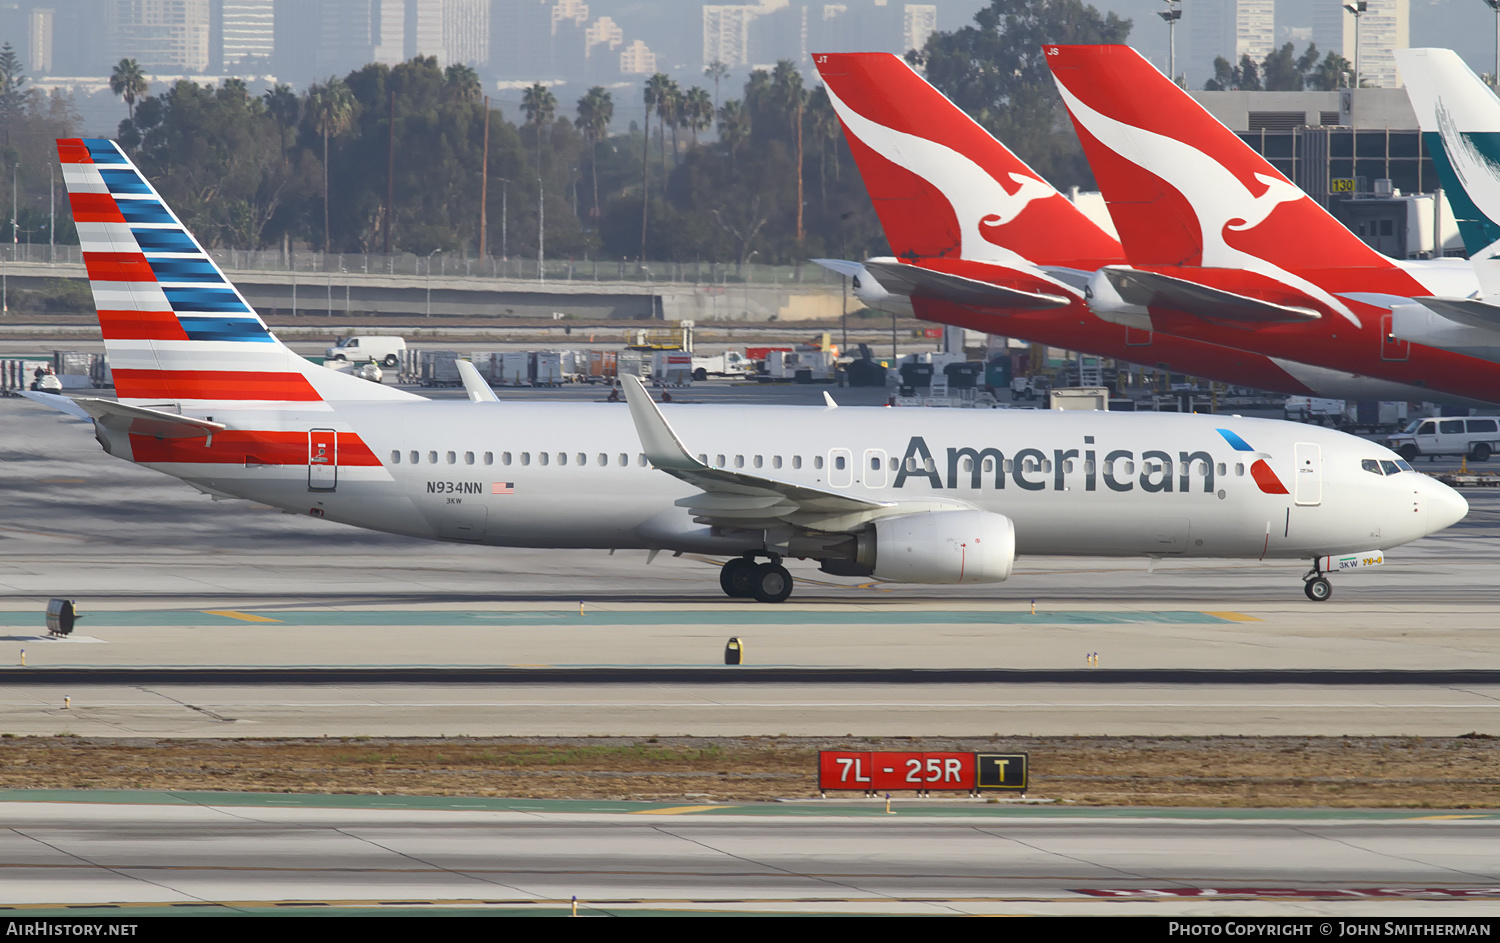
<point>383,349</point>
<point>1476,437</point>
<point>210,396</point>
<point>730,363</point>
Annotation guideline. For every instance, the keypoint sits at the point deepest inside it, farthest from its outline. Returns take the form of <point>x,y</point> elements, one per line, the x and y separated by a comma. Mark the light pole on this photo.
<point>1358,8</point>
<point>1172,14</point>
<point>1495,75</point>
<point>429,280</point>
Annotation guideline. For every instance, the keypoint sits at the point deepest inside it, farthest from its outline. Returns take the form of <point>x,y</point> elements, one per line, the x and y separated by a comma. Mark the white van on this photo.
<point>385,350</point>
<point>1477,437</point>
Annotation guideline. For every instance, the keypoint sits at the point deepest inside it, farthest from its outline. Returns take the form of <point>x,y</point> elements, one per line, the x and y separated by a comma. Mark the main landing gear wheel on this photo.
<point>1318,589</point>
<point>770,582</point>
<point>735,577</point>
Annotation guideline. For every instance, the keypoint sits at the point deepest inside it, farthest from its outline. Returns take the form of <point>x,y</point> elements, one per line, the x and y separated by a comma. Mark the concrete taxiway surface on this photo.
<point>167,577</point>
<point>154,853</point>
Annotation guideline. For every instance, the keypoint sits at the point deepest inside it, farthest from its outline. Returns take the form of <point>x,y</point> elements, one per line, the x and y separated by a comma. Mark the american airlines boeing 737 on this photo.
<point>207,394</point>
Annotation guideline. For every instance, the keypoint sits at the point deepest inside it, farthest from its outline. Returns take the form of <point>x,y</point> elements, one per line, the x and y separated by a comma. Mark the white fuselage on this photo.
<point>575,475</point>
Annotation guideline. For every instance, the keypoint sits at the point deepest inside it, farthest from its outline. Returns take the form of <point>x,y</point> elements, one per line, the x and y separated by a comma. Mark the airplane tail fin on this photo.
<point>1460,121</point>
<point>943,186</point>
<point>175,329</point>
<point>1182,188</point>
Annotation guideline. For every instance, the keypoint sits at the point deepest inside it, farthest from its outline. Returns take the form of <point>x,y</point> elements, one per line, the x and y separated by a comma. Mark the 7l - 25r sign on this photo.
<point>922,772</point>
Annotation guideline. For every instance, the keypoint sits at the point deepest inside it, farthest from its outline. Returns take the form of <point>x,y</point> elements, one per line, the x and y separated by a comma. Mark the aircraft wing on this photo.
<point>732,497</point>
<point>1152,288</point>
<point>1470,311</point>
<point>899,278</point>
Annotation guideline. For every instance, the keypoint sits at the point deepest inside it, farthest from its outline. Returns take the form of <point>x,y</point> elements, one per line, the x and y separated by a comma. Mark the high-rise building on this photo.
<point>355,32</point>
<point>1383,28</point>
<point>726,33</point>
<point>244,35</point>
<point>918,21</point>
<point>1228,29</point>
<point>162,35</point>
<point>637,59</point>
<point>424,30</point>
<point>466,31</point>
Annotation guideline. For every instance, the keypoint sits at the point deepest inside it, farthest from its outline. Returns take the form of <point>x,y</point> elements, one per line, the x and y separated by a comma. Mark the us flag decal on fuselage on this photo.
<point>503,487</point>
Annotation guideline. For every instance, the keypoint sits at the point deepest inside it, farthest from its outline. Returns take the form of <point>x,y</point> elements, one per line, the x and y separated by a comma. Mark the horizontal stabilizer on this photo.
<point>1473,312</point>
<point>842,266</point>
<point>140,420</point>
<point>53,401</point>
<point>1154,289</point>
<point>899,278</point>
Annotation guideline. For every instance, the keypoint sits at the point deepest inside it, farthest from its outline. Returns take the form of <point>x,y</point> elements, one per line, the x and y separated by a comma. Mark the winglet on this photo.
<point>60,403</point>
<point>662,447</point>
<point>828,398</point>
<point>478,390</point>
<point>842,266</point>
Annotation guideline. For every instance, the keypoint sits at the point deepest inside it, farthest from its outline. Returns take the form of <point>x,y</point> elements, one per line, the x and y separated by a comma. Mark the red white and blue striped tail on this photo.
<point>175,329</point>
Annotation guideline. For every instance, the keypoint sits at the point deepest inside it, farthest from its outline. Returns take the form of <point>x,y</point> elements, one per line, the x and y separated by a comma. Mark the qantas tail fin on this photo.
<point>176,330</point>
<point>1182,188</point>
<point>945,188</point>
<point>1460,121</point>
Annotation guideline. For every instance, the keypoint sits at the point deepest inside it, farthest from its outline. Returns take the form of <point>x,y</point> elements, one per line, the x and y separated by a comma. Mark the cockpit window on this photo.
<point>1371,465</point>
<point>1402,464</point>
<point>1389,467</point>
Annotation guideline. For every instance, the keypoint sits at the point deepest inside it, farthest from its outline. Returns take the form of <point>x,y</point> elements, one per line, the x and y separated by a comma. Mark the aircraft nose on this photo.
<point>1444,506</point>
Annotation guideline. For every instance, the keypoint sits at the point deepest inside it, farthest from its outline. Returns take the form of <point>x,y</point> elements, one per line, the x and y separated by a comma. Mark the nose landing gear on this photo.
<point>743,578</point>
<point>1315,584</point>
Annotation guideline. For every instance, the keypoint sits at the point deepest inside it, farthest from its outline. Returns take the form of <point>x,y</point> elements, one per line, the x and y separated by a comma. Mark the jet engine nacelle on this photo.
<point>942,547</point>
<point>1105,301</point>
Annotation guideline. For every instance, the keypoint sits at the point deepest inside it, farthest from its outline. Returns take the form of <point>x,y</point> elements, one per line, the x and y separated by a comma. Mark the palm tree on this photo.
<point>595,111</point>
<point>284,106</point>
<point>791,99</point>
<point>697,112</point>
<point>668,101</point>
<point>462,83</point>
<point>823,124</point>
<point>540,106</point>
<point>734,128</point>
<point>129,81</point>
<point>656,87</point>
<point>331,106</point>
<point>716,70</point>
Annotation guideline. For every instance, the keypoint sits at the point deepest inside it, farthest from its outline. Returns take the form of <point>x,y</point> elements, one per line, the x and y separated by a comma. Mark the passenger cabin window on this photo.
<point>719,461</point>
<point>796,461</point>
<point>641,459</point>
<point>624,460</point>
<point>1239,469</point>
<point>817,461</point>
<point>838,462</point>
<point>562,458</point>
<point>775,461</point>
<point>739,461</point>
<point>604,458</point>
<point>432,458</point>
<point>504,458</point>
<point>468,458</point>
<point>414,457</point>
<point>396,458</point>
<point>489,458</point>
<point>525,458</point>
<point>875,463</point>
<point>758,461</point>
<point>543,458</point>
<point>583,459</point>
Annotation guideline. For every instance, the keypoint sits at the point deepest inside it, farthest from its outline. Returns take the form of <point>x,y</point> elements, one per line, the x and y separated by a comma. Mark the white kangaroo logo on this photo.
<point>977,199</point>
<point>1219,199</point>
